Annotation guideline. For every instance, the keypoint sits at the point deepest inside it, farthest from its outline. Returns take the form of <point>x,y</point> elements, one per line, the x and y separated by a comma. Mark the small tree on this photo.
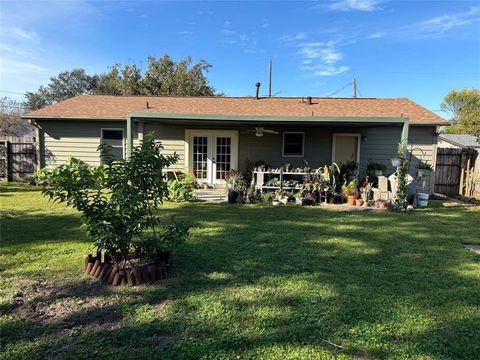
<point>464,108</point>
<point>118,200</point>
<point>401,200</point>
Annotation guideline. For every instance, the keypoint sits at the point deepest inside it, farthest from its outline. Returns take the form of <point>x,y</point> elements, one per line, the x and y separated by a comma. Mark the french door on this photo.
<point>211,154</point>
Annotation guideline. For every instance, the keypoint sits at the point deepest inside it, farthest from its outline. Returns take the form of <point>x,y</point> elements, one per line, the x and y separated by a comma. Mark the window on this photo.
<point>113,138</point>
<point>293,144</point>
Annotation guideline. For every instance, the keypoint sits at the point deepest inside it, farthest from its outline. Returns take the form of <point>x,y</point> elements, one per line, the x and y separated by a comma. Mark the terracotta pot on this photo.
<point>99,270</point>
<point>130,277</point>
<point>95,267</point>
<point>138,276</point>
<point>124,281</point>
<point>104,271</point>
<point>359,202</point>
<point>381,205</point>
<point>119,278</point>
<point>146,276</point>
<point>89,268</point>
<point>107,274</point>
<point>112,275</point>
<point>351,200</point>
<point>88,259</point>
<point>152,269</point>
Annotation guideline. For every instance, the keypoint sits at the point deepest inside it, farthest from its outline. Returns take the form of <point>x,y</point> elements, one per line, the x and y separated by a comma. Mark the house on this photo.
<point>212,135</point>
<point>458,141</point>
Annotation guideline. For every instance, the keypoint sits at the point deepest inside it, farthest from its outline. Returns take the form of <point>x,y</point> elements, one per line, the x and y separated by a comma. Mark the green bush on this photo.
<point>181,188</point>
<point>118,199</point>
<point>171,236</point>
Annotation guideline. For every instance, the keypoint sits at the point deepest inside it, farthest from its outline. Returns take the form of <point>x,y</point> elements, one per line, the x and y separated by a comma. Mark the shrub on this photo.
<point>117,199</point>
<point>154,245</point>
<point>181,188</point>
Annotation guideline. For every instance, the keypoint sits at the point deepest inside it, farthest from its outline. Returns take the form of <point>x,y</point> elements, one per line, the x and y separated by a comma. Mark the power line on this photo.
<point>12,92</point>
<point>336,92</point>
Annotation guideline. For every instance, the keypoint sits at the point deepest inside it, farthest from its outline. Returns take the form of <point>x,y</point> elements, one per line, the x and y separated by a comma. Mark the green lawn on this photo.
<point>252,281</point>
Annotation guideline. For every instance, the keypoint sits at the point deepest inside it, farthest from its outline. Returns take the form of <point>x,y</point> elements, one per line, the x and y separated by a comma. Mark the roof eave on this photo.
<point>248,118</point>
<point>46,117</point>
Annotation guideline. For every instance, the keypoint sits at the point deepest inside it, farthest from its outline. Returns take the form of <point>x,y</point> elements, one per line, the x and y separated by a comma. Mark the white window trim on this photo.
<point>334,143</point>
<point>123,138</point>
<point>283,143</point>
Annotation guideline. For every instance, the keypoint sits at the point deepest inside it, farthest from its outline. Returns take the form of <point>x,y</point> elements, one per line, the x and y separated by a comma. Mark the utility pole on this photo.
<point>354,88</point>
<point>270,79</point>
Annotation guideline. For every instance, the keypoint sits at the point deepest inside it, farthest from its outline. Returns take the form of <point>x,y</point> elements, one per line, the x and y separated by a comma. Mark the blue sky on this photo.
<point>414,49</point>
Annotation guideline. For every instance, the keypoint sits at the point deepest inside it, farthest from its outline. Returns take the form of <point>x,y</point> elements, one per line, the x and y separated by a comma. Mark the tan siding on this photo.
<point>79,139</point>
<point>172,139</point>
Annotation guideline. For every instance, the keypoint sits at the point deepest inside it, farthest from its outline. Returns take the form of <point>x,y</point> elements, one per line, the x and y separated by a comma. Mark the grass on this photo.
<point>252,282</point>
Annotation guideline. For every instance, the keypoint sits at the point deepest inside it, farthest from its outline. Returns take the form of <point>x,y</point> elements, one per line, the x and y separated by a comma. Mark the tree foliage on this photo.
<point>118,200</point>
<point>163,76</point>
<point>464,109</point>
<point>11,124</point>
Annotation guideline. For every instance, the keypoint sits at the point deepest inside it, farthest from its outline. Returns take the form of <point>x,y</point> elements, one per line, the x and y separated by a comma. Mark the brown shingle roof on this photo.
<point>117,107</point>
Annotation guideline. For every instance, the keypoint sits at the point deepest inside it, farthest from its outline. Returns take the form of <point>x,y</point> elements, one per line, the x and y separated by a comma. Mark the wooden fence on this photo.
<point>18,158</point>
<point>457,172</point>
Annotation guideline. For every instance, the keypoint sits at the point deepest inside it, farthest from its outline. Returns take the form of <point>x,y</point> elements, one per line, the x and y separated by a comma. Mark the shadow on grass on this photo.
<point>262,282</point>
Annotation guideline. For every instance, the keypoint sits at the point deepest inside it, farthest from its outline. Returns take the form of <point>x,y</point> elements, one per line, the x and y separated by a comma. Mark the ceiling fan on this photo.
<point>259,130</point>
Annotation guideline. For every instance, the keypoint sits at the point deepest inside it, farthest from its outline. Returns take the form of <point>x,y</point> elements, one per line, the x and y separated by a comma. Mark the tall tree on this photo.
<point>10,122</point>
<point>65,85</point>
<point>163,76</point>
<point>464,109</point>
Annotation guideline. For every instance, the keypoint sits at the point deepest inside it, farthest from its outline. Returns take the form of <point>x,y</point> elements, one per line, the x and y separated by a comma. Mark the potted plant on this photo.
<point>376,169</point>
<point>277,198</point>
<point>424,169</point>
<point>350,192</point>
<point>235,185</point>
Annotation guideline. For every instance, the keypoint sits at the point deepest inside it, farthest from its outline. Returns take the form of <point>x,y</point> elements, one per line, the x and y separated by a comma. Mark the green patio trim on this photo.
<point>138,116</point>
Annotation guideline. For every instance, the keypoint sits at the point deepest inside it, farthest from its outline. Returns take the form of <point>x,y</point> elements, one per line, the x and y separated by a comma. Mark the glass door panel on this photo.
<point>200,157</point>
<point>223,157</point>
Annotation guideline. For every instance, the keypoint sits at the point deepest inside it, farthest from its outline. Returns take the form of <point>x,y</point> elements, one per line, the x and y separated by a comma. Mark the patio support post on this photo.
<point>129,136</point>
<point>404,139</point>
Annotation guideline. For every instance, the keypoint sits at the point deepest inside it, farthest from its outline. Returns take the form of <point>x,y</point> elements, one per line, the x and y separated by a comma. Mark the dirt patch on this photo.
<point>80,304</point>
<point>163,340</point>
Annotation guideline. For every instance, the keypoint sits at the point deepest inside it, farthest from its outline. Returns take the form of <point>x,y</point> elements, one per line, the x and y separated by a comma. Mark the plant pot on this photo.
<point>396,162</point>
<point>351,200</point>
<point>381,205</point>
<point>232,197</point>
<point>359,202</point>
<point>422,199</point>
<point>276,202</point>
<point>423,172</point>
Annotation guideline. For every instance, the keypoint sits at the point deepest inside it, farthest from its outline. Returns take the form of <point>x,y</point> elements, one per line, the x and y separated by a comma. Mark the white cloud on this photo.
<point>227,23</point>
<point>331,70</point>
<point>9,66</point>
<point>264,23</point>
<point>321,59</point>
<point>358,5</point>
<point>294,37</point>
<point>376,35</point>
<point>24,34</point>
<point>186,33</point>
<point>441,24</point>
